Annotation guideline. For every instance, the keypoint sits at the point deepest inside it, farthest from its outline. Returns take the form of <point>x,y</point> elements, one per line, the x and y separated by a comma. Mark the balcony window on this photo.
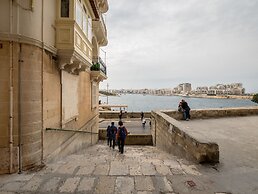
<point>89,29</point>
<point>78,13</point>
<point>65,8</point>
<point>85,21</point>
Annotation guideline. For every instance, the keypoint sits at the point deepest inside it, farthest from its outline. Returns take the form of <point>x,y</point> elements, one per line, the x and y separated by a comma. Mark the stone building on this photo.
<point>50,71</point>
<point>184,88</point>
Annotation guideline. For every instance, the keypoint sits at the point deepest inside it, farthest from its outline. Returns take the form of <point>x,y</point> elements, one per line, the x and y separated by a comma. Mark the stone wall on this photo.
<point>168,135</point>
<point>215,113</point>
<point>37,105</point>
<point>26,104</point>
<point>115,114</point>
<point>131,139</point>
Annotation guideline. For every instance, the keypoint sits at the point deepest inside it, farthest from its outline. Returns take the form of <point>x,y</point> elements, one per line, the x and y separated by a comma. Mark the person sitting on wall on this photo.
<point>185,109</point>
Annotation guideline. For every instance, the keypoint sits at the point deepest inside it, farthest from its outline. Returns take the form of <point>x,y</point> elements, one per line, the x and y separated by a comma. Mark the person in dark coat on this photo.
<point>113,132</point>
<point>142,115</point>
<point>121,136</point>
<point>186,110</point>
<point>120,115</point>
<point>108,135</point>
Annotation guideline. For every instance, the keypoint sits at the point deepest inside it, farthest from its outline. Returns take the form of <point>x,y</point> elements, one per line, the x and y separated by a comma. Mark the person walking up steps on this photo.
<point>121,136</point>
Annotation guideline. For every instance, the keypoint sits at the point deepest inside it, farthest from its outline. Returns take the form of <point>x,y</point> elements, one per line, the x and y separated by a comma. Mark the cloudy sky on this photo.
<point>161,43</point>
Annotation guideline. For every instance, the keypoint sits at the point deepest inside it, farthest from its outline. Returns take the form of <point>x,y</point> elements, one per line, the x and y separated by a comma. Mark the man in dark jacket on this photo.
<point>113,132</point>
<point>186,110</point>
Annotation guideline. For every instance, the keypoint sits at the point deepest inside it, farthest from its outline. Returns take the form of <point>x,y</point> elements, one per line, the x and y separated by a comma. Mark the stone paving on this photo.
<point>100,169</point>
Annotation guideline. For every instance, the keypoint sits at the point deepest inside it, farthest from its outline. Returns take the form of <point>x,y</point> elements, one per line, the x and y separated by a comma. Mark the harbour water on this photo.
<point>139,102</point>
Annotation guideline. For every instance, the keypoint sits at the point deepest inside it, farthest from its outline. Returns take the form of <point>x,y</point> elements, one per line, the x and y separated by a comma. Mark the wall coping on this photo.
<point>200,151</point>
<point>214,112</point>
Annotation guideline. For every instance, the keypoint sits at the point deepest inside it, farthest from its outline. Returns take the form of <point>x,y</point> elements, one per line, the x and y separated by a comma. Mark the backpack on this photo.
<point>113,130</point>
<point>108,131</point>
<point>122,133</point>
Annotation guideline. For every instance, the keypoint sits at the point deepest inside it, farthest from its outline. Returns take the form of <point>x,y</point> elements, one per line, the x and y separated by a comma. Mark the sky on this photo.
<point>160,44</point>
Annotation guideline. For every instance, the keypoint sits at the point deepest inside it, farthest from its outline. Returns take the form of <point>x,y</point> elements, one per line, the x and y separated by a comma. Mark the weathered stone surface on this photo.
<point>86,170</point>
<point>70,185</point>
<point>32,185</point>
<point>191,169</point>
<point>13,186</point>
<point>119,168</point>
<point>105,185</point>
<point>101,169</point>
<point>163,184</point>
<point>135,169</point>
<point>144,192</point>
<point>148,169</point>
<point>66,169</point>
<point>163,170</point>
<point>86,184</point>
<point>124,185</point>
<point>51,185</point>
<point>169,135</point>
<point>144,183</point>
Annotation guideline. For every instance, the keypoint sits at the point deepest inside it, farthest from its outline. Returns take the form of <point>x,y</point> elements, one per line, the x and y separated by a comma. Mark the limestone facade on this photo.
<point>47,49</point>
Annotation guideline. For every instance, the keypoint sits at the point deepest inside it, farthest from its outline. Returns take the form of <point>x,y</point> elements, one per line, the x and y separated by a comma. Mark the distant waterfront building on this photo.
<point>184,88</point>
<point>222,89</point>
<point>50,69</point>
<point>201,90</point>
<point>187,88</point>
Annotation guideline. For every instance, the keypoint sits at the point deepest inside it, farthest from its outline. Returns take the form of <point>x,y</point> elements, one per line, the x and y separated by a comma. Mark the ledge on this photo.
<point>215,112</point>
<point>169,135</point>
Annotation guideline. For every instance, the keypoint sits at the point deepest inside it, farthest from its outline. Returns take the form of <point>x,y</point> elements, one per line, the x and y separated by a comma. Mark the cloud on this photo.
<point>162,43</point>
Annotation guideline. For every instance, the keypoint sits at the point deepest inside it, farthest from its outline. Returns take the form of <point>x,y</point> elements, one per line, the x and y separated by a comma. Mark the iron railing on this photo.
<point>99,65</point>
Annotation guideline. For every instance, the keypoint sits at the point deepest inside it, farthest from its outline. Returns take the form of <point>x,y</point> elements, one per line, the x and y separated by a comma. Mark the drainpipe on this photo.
<point>11,107</point>
<point>19,109</point>
<point>11,91</point>
<point>42,68</point>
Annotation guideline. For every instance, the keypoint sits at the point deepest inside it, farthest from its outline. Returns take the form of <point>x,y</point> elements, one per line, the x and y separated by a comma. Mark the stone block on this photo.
<point>70,185</point>
<point>144,183</point>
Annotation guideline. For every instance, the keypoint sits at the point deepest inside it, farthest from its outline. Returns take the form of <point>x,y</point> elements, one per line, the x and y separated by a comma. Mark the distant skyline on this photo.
<point>160,44</point>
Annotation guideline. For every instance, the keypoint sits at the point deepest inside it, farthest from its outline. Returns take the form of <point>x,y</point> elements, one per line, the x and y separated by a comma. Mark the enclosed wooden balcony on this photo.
<point>74,49</point>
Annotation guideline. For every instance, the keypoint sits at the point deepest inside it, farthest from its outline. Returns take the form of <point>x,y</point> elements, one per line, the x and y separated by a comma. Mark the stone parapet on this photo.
<point>215,113</point>
<point>169,135</point>
<point>132,139</point>
<point>115,114</point>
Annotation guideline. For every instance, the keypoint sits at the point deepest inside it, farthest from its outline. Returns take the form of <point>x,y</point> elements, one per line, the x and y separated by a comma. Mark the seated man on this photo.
<point>185,109</point>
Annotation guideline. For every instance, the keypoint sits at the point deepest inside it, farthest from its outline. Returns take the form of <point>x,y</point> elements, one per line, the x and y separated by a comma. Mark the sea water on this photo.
<point>139,102</point>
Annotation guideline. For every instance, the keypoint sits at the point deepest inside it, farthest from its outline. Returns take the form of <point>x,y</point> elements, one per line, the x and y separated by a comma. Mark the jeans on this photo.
<point>186,114</point>
<point>121,144</point>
